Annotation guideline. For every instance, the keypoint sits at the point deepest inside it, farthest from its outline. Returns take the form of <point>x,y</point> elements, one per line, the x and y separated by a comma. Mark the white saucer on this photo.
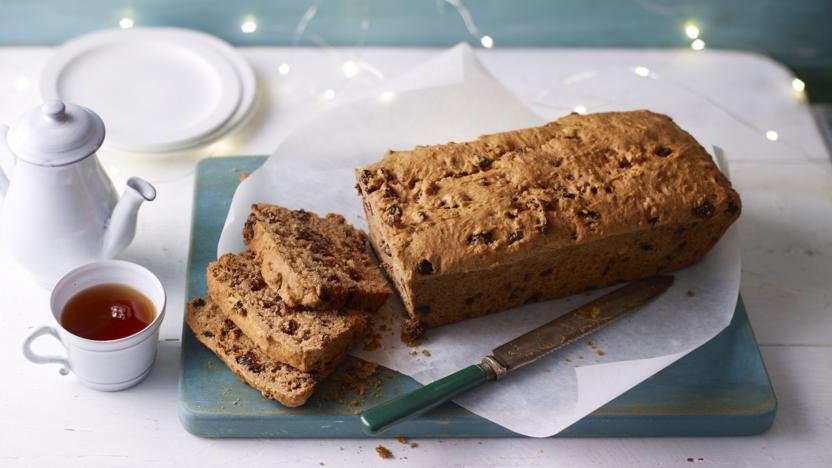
<point>157,89</point>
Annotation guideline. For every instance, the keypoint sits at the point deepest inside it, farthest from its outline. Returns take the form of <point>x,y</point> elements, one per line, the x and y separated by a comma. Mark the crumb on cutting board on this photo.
<point>373,341</point>
<point>358,381</point>
<point>691,293</point>
<point>426,353</point>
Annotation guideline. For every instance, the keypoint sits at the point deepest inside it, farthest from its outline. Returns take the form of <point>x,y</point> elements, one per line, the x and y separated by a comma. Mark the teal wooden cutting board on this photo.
<point>720,389</point>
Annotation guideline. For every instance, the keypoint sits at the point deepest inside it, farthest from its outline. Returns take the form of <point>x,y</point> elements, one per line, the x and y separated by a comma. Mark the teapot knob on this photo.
<point>54,110</point>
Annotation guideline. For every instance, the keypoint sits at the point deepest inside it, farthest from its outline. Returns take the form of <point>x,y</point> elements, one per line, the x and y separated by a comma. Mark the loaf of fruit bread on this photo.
<point>274,379</point>
<point>466,229</point>
<point>306,339</point>
<point>314,261</point>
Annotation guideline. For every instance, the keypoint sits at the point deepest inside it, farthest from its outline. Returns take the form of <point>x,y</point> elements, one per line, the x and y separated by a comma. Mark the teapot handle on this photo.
<point>4,148</point>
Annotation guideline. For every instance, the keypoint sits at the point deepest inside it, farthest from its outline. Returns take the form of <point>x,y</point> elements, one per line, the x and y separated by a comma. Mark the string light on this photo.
<point>329,94</point>
<point>248,26</point>
<point>692,31</point>
<point>386,96</point>
<point>641,71</point>
<point>349,68</point>
<point>284,69</point>
<point>126,23</point>
<point>798,85</point>
<point>772,135</point>
<point>580,109</point>
<point>697,44</point>
<point>487,42</point>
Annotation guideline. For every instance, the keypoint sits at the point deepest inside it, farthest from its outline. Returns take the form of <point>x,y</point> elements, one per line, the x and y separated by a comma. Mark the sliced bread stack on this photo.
<point>283,314</point>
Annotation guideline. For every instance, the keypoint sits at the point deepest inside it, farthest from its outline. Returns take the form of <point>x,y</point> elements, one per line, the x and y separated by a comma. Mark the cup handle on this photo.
<point>40,359</point>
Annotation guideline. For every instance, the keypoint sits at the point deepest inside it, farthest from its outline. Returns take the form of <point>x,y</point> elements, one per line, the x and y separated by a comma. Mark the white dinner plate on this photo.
<point>155,89</point>
<point>244,73</point>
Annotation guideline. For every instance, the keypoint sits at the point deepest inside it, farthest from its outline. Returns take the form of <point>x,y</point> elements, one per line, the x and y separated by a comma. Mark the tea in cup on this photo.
<point>108,315</point>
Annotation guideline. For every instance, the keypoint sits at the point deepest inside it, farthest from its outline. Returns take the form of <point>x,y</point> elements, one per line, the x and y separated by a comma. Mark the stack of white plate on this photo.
<point>158,90</point>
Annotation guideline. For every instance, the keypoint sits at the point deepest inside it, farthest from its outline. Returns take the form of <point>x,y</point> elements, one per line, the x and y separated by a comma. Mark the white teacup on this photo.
<point>104,365</point>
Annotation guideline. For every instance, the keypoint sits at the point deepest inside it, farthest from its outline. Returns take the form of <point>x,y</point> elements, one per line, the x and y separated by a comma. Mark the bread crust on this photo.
<point>466,229</point>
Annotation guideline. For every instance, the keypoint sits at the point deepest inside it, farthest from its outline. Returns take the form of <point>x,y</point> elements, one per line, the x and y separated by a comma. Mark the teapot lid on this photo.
<point>56,134</point>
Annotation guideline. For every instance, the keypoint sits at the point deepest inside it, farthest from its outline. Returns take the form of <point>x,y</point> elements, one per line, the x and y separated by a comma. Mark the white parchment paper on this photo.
<point>451,98</point>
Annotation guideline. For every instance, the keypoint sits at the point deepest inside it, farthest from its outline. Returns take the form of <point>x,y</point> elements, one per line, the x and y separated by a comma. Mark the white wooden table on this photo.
<point>786,228</point>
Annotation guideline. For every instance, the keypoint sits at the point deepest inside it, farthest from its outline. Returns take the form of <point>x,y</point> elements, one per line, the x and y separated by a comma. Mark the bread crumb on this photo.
<point>413,353</point>
<point>244,176</point>
<point>355,379</point>
<point>426,353</point>
<point>402,439</point>
<point>412,331</point>
<point>599,352</point>
<point>373,341</point>
<point>413,445</point>
<point>594,312</point>
<point>691,293</point>
<point>357,412</point>
<point>384,452</point>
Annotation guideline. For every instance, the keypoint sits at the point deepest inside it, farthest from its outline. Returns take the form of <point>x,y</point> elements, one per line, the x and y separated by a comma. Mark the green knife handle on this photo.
<point>390,412</point>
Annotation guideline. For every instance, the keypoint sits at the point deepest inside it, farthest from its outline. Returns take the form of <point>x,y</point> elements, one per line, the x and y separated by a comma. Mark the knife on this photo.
<point>518,352</point>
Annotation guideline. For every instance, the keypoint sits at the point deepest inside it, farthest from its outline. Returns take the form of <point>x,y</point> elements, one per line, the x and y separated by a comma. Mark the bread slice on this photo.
<point>313,261</point>
<point>275,380</point>
<point>305,339</point>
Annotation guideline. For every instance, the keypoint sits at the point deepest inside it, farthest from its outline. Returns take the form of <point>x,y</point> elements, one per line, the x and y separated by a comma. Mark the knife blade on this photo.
<point>518,352</point>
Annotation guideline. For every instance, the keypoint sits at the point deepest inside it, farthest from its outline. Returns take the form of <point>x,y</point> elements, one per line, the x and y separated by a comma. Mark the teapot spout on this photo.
<point>121,229</point>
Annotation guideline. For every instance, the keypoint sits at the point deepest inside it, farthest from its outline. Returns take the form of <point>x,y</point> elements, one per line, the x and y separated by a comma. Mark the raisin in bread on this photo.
<point>314,261</point>
<point>308,340</point>
<point>275,380</point>
<point>466,229</point>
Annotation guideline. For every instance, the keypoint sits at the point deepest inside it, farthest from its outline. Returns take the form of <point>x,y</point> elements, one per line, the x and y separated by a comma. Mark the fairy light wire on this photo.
<point>351,67</point>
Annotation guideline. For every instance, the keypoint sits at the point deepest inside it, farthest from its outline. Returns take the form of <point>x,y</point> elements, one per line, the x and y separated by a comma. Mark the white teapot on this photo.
<point>60,209</point>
